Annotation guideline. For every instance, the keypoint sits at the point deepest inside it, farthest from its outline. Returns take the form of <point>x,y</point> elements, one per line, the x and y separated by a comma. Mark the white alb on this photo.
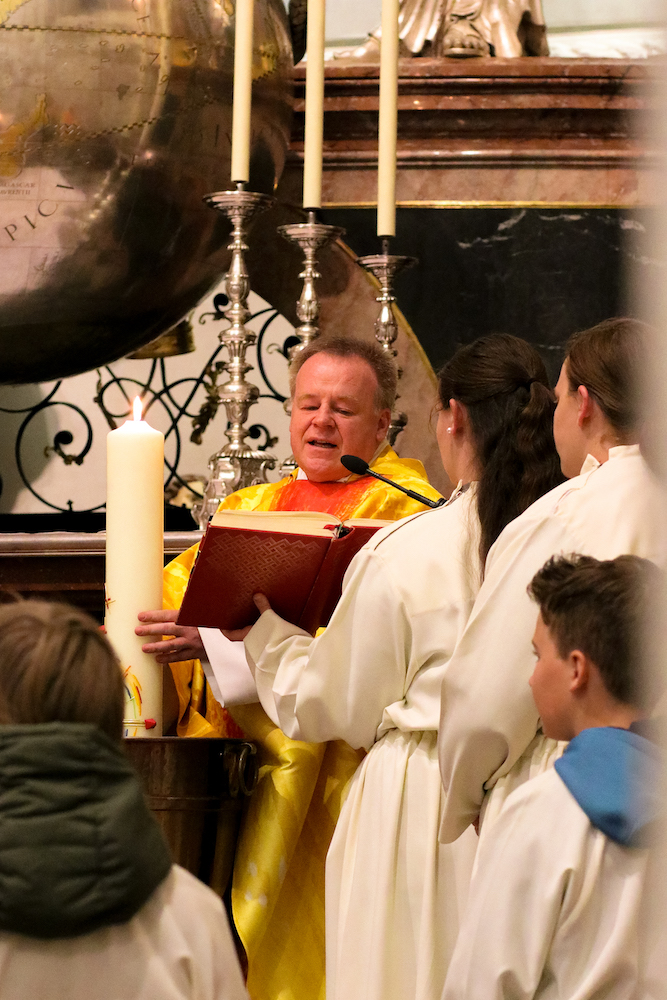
<point>394,896</point>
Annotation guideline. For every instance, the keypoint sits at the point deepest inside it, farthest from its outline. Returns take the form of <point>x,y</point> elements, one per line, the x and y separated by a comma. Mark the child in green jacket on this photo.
<point>90,904</point>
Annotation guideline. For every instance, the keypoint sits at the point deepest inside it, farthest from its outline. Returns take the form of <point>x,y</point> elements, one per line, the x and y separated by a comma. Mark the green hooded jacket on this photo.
<point>79,849</point>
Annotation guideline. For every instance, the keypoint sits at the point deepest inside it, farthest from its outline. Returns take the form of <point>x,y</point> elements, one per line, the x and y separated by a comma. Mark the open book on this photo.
<point>297,558</point>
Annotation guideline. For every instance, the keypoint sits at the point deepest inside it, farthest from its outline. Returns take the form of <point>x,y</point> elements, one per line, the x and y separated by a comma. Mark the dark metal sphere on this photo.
<point>115,120</point>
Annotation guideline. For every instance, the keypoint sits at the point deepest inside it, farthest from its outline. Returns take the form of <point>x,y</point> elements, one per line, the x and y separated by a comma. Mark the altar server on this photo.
<point>555,900</point>
<point>489,730</point>
<point>373,678</point>
<point>91,906</point>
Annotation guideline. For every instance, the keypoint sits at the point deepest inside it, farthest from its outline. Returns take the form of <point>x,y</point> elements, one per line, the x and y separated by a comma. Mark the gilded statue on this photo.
<point>464,29</point>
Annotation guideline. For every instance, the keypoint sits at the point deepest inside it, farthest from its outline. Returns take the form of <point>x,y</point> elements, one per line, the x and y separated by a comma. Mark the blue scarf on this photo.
<point>615,776</point>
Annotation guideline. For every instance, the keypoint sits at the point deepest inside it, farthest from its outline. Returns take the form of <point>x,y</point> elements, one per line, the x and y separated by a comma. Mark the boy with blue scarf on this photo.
<point>554,905</point>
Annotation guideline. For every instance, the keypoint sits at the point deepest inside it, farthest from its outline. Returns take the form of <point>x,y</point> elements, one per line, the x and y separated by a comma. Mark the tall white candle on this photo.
<point>386,213</point>
<point>314,128</point>
<point>134,560</point>
<point>244,14</point>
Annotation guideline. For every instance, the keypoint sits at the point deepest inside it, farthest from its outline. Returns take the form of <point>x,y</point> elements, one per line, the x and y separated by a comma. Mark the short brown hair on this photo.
<point>601,608</point>
<point>56,666</point>
<point>610,361</point>
<point>383,365</point>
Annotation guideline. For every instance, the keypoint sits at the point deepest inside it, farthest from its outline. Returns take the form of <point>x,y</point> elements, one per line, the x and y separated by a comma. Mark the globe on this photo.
<point>115,121</point>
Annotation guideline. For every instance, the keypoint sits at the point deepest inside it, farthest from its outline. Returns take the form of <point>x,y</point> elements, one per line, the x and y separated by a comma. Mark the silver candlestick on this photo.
<point>310,237</point>
<point>385,266</point>
<point>236,465</point>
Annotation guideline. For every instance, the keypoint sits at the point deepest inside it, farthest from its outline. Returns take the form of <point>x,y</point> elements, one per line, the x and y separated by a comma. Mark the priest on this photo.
<point>342,393</point>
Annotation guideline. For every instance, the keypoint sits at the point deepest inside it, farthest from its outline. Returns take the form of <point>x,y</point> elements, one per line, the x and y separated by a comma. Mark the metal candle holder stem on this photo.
<point>310,237</point>
<point>385,266</point>
<point>236,465</point>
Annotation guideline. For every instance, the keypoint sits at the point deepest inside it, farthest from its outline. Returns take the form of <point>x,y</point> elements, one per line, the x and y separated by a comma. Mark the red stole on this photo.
<point>340,499</point>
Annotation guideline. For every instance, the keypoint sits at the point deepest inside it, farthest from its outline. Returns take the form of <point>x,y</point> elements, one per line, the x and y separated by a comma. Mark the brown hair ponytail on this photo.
<point>502,382</point>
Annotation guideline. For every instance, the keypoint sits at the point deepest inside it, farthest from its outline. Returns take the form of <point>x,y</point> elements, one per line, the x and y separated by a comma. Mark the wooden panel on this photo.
<point>69,566</point>
<point>65,565</point>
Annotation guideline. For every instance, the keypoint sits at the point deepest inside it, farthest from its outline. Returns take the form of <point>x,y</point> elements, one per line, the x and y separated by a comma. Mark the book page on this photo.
<point>367,522</point>
<point>304,522</point>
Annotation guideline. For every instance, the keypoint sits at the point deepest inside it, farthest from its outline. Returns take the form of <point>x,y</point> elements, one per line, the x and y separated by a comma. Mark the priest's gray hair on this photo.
<point>382,364</point>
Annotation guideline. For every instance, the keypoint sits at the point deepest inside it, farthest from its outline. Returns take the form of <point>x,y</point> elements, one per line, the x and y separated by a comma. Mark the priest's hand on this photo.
<point>183,642</point>
<point>238,634</point>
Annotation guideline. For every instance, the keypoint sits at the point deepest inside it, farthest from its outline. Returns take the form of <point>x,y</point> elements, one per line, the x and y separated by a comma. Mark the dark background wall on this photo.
<point>538,273</point>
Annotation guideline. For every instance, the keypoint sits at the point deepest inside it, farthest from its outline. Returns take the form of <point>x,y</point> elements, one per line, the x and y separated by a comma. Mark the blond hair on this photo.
<point>57,666</point>
<point>380,362</point>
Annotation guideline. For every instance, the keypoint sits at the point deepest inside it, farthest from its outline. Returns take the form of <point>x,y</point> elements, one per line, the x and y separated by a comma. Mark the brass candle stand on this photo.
<point>236,465</point>
<point>310,237</point>
<point>384,267</point>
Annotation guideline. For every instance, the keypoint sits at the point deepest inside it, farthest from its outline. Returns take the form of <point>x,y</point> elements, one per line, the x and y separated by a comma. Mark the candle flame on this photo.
<point>136,407</point>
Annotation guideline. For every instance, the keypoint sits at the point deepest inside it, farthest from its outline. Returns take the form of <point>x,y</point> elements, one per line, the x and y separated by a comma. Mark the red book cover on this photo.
<point>301,574</point>
<point>326,590</point>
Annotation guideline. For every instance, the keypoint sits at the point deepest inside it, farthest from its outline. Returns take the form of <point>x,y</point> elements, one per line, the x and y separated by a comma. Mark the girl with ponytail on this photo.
<point>373,678</point>
<point>495,400</point>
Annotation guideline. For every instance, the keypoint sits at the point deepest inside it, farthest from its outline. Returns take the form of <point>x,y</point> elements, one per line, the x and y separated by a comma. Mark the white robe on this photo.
<point>554,906</point>
<point>393,894</point>
<point>489,720</point>
<point>177,947</point>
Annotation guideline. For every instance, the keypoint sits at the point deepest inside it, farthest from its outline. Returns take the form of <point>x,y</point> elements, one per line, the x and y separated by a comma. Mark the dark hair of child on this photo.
<point>601,608</point>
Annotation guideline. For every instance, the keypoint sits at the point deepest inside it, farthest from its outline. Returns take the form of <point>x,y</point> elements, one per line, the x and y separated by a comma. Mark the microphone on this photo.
<point>360,468</point>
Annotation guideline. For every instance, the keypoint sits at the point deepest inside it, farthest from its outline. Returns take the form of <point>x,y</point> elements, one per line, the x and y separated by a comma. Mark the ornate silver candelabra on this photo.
<point>310,237</point>
<point>236,464</point>
<point>385,266</point>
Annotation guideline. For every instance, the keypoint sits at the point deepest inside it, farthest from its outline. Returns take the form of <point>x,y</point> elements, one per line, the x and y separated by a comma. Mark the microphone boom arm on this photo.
<point>411,493</point>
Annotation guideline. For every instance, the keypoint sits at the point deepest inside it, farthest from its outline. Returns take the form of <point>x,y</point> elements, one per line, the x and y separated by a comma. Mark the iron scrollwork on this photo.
<point>62,438</point>
<point>113,397</point>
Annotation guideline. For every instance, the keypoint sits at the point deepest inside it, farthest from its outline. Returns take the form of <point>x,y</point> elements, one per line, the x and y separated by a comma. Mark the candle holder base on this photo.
<point>310,237</point>
<point>384,267</point>
<point>229,473</point>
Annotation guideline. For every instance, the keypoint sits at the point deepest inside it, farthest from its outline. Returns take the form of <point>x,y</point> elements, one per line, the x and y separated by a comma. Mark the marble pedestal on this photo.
<point>487,133</point>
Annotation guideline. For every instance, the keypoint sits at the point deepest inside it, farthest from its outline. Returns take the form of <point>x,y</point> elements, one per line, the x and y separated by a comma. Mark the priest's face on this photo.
<point>334,413</point>
<point>570,442</point>
<point>550,684</point>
